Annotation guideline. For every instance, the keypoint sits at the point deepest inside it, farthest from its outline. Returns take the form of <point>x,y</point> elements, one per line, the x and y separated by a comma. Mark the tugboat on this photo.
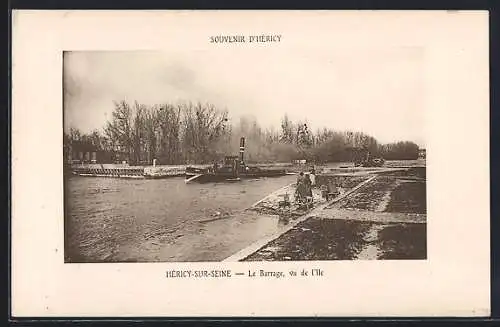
<point>233,169</point>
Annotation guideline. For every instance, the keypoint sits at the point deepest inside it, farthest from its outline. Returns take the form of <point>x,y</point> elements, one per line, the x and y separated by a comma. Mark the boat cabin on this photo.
<point>229,160</point>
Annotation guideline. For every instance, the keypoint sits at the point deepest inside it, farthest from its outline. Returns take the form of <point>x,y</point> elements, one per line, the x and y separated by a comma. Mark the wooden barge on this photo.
<point>232,169</point>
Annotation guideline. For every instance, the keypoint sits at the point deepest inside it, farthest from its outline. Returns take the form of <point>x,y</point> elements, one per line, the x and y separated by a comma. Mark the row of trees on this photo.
<point>201,133</point>
<point>399,151</point>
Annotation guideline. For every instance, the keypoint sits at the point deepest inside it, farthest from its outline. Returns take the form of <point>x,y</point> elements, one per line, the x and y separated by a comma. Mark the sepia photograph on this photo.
<point>205,163</point>
<point>172,158</point>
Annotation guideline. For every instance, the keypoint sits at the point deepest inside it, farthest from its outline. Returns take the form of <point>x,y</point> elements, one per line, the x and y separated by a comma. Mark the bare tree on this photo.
<point>201,133</point>
<point>119,129</point>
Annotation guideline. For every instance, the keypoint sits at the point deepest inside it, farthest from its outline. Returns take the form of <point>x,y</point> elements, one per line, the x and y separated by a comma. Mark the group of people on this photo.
<point>305,184</point>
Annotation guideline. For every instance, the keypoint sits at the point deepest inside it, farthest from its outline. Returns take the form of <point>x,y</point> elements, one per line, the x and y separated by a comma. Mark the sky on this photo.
<point>378,91</point>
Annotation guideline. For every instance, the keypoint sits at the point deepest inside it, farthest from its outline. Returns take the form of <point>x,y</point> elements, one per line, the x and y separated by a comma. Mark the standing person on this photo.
<point>313,178</point>
<point>299,190</point>
<point>307,186</point>
<point>300,179</point>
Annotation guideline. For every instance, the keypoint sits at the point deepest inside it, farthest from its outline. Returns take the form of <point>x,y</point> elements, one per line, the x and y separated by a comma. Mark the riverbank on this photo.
<point>168,171</point>
<point>382,217</point>
<point>152,172</point>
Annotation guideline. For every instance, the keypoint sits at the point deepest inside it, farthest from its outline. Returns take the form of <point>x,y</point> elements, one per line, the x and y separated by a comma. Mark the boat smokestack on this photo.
<point>242,148</point>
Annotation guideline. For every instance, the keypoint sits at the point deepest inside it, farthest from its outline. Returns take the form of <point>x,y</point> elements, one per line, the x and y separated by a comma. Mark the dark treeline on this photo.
<point>201,133</point>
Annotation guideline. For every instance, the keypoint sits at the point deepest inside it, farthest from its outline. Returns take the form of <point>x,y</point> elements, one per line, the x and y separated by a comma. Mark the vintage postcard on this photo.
<point>206,163</point>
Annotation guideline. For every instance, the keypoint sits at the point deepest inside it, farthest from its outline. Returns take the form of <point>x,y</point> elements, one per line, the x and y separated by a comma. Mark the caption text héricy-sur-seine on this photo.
<point>258,273</point>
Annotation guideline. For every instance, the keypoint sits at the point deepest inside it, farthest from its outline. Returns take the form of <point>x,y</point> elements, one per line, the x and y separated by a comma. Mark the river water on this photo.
<point>127,220</point>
